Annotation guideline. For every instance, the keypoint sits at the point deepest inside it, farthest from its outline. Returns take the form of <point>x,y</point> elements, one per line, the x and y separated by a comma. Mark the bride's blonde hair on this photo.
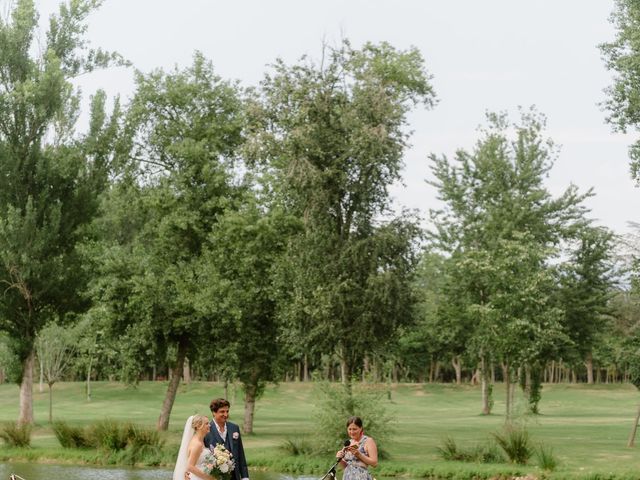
<point>198,421</point>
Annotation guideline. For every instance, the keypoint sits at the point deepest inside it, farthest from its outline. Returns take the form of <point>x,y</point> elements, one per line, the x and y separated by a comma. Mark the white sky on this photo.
<point>484,55</point>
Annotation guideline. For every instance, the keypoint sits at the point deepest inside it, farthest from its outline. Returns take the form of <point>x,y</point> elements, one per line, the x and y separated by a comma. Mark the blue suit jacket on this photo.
<point>233,443</point>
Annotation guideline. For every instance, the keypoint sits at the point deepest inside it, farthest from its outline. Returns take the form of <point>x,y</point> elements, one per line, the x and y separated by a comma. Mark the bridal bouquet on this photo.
<point>218,462</point>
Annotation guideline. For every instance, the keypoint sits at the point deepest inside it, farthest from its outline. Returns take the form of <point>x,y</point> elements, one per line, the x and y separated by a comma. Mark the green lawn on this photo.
<point>587,427</point>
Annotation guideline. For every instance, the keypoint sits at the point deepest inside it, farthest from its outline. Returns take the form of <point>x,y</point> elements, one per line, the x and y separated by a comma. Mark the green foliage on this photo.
<point>70,436</point>
<point>50,179</point>
<point>110,435</point>
<point>425,414</point>
<point>125,443</point>
<point>587,282</point>
<point>515,443</point>
<point>55,347</point>
<point>621,56</point>
<point>16,434</point>
<point>9,360</point>
<point>335,403</point>
<point>546,458</point>
<point>128,440</point>
<point>487,453</point>
<point>500,229</point>
<point>184,128</point>
<point>449,450</point>
<point>140,437</point>
<point>297,446</point>
<point>237,273</point>
<point>143,444</point>
<point>133,454</point>
<point>329,142</point>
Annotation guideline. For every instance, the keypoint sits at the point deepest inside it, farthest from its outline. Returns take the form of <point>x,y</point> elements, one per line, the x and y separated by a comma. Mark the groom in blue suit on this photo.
<point>228,434</point>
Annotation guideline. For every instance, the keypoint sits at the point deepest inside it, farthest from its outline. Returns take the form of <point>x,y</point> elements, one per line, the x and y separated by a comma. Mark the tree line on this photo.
<point>209,230</point>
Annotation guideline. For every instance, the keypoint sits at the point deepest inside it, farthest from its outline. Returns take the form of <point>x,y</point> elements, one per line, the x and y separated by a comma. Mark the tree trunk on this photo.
<point>365,369</point>
<point>589,364</point>
<point>432,369</point>
<point>504,368</point>
<point>89,379</point>
<point>436,372</point>
<point>485,387</point>
<point>527,381</point>
<point>306,368</point>
<point>174,383</point>
<point>26,390</point>
<point>250,392</point>
<point>50,402</point>
<point>456,361</point>
<point>41,383</point>
<point>632,436</point>
<point>507,387</point>
<point>226,388</point>
<point>474,378</point>
<point>344,367</point>
<point>186,371</point>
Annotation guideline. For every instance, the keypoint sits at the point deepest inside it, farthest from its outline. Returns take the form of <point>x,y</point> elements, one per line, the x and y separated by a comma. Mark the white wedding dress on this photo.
<point>199,464</point>
<point>181,460</point>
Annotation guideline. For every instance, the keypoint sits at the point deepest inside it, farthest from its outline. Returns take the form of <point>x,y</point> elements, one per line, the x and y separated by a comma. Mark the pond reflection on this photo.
<point>39,471</point>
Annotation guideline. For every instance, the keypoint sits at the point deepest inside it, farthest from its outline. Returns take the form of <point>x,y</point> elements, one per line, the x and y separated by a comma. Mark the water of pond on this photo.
<point>39,471</point>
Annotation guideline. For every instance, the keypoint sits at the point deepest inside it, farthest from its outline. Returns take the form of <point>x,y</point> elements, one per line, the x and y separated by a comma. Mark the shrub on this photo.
<point>15,434</point>
<point>297,446</point>
<point>516,444</point>
<point>139,437</point>
<point>337,402</point>
<point>545,458</point>
<point>449,450</point>
<point>487,453</point>
<point>138,453</point>
<point>71,437</point>
<point>110,435</point>
<point>129,444</point>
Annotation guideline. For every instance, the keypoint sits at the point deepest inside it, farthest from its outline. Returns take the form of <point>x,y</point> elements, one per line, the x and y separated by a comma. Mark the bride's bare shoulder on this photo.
<point>195,445</point>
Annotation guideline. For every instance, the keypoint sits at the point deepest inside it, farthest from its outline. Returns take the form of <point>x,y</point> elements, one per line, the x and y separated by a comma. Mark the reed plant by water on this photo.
<point>16,434</point>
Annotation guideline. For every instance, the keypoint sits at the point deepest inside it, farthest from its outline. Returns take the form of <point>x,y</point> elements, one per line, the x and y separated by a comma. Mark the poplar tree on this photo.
<point>331,138</point>
<point>502,229</point>
<point>49,177</point>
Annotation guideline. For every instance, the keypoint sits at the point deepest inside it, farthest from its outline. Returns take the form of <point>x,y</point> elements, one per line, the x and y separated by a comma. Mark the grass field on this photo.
<point>586,426</point>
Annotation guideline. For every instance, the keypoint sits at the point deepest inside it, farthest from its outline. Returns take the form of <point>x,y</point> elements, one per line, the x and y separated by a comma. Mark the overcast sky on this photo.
<point>484,55</point>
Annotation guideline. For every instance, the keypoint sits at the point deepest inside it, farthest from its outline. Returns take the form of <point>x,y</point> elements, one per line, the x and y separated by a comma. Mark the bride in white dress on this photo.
<point>192,451</point>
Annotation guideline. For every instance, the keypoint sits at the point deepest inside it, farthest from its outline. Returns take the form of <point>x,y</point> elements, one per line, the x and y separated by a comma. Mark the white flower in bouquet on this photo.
<point>219,463</point>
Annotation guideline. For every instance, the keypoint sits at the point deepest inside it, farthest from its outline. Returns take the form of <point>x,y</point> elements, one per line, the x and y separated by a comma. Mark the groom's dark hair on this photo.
<point>218,403</point>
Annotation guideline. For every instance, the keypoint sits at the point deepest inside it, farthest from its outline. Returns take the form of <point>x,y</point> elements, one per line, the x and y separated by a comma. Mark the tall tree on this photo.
<point>501,229</point>
<point>331,137</point>
<point>55,348</point>
<point>238,288</point>
<point>622,56</point>
<point>586,289</point>
<point>184,128</point>
<point>49,181</point>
